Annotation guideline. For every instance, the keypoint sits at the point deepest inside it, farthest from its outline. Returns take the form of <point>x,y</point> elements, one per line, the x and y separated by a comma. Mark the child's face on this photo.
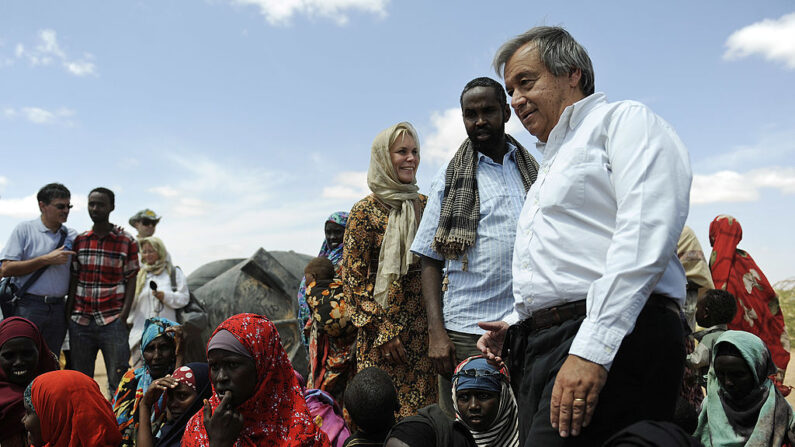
<point>702,318</point>
<point>310,277</point>
<point>734,375</point>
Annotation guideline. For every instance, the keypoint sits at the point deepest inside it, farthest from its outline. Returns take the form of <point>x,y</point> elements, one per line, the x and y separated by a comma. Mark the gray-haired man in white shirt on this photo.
<point>597,284</point>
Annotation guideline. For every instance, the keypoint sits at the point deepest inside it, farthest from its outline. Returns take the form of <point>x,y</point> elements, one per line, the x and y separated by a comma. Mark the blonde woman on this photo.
<point>160,301</point>
<point>382,277</point>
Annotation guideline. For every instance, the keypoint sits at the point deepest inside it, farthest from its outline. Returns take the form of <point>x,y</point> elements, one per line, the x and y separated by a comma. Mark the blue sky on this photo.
<point>246,122</point>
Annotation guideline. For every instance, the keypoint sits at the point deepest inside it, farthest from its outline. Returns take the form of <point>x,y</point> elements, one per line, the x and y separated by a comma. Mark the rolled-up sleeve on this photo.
<point>423,239</point>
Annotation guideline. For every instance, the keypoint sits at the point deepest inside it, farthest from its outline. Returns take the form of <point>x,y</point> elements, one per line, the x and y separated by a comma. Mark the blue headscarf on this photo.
<point>131,390</point>
<point>489,383</point>
<point>153,328</point>
<point>504,431</point>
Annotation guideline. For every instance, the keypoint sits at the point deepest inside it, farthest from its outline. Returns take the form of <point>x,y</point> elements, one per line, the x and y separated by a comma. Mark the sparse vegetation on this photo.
<point>786,296</point>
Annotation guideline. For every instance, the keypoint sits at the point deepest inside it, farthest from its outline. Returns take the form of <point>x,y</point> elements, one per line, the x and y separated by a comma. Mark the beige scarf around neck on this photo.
<point>395,256</point>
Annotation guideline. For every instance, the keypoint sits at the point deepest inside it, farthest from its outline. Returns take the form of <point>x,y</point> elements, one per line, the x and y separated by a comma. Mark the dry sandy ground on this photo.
<point>100,376</point>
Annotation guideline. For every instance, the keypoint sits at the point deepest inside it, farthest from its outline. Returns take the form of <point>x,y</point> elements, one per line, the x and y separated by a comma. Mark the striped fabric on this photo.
<point>483,292</point>
<point>103,265</point>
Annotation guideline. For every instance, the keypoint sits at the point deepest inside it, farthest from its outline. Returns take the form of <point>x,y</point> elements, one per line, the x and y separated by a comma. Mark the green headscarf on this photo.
<point>719,424</point>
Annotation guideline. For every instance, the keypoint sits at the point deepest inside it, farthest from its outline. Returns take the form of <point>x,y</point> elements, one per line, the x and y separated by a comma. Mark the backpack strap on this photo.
<point>173,278</point>
<point>40,271</point>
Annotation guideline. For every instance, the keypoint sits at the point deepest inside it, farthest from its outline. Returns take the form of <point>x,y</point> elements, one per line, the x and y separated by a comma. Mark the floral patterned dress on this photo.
<point>332,338</point>
<point>405,316</point>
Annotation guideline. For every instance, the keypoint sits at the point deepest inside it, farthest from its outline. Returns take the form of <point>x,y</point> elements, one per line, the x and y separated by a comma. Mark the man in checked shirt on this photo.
<point>101,290</point>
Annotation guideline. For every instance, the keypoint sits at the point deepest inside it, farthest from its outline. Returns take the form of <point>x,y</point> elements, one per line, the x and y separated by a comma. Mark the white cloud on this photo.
<point>47,50</point>
<point>48,44</point>
<point>774,39</point>
<point>214,209</point>
<point>447,135</point>
<point>81,67</point>
<point>37,115</point>
<point>775,146</point>
<point>732,186</point>
<point>281,12</point>
<point>165,191</point>
<point>347,185</point>
<point>24,208</point>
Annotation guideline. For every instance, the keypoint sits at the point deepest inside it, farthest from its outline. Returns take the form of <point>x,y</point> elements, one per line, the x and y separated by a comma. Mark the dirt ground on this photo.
<point>101,376</point>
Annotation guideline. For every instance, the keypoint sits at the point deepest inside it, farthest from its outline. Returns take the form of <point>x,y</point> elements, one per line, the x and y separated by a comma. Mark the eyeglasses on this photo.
<point>62,206</point>
<point>477,373</point>
<point>147,222</point>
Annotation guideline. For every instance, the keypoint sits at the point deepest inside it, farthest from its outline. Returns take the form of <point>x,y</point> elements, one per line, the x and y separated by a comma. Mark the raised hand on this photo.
<point>490,343</point>
<point>223,426</point>
<point>59,256</point>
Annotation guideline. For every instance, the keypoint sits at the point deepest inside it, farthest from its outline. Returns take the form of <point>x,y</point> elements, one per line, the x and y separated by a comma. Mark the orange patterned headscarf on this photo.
<point>72,411</point>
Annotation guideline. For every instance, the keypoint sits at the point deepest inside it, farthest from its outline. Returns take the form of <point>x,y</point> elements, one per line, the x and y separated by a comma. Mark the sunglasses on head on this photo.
<point>474,373</point>
<point>62,206</point>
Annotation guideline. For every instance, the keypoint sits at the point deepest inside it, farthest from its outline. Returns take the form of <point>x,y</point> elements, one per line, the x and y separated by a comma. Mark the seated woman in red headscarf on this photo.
<point>23,357</point>
<point>256,397</point>
<point>66,409</point>
<point>758,310</point>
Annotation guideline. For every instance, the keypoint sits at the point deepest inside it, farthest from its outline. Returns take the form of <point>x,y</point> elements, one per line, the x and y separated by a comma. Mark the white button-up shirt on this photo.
<point>602,221</point>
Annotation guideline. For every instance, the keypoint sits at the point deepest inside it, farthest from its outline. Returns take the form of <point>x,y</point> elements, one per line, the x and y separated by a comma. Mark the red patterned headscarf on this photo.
<point>276,415</point>
<point>735,271</point>
<point>11,407</point>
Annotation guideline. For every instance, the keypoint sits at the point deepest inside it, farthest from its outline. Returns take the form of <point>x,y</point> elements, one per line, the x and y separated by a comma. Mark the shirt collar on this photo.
<point>43,229</point>
<point>511,152</point>
<point>575,113</point>
<point>113,233</point>
<point>584,106</point>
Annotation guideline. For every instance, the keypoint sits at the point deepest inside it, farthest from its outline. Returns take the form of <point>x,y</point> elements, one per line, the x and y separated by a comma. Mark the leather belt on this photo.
<point>553,316</point>
<point>47,299</point>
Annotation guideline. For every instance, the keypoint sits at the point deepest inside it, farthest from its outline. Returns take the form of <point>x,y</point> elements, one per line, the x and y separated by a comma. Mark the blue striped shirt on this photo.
<point>484,292</point>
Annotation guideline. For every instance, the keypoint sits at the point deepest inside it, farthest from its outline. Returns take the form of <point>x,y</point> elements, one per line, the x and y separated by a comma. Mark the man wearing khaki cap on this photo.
<point>145,222</point>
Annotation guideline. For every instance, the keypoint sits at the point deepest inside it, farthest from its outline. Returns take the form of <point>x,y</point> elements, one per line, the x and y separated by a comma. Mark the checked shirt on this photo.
<point>102,266</point>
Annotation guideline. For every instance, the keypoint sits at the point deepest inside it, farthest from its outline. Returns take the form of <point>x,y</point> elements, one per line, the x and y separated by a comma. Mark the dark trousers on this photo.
<point>643,382</point>
<point>50,318</point>
<point>86,341</point>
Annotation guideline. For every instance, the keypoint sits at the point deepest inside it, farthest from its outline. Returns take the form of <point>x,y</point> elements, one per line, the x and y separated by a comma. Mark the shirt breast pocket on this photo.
<point>566,188</point>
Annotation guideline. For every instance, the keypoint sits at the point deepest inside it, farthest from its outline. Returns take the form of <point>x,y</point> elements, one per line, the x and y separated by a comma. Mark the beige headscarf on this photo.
<point>692,258</point>
<point>155,269</point>
<point>395,256</point>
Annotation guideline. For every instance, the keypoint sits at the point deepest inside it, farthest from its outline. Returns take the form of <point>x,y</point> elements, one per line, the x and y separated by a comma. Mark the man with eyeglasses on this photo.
<point>43,243</point>
<point>145,222</point>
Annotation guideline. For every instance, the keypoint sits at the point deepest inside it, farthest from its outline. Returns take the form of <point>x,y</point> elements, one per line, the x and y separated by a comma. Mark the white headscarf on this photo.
<point>395,256</point>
